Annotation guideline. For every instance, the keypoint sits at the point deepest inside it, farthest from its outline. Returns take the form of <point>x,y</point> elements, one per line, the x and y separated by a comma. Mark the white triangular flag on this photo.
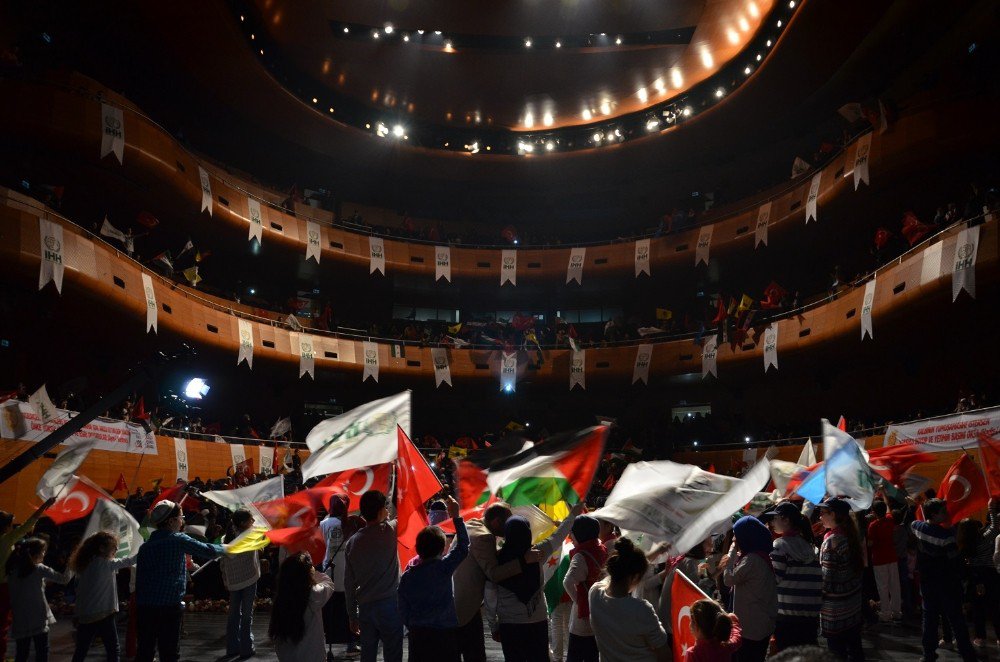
<point>574,270</point>
<point>370,354</point>
<point>642,257</point>
<point>376,253</point>
<point>813,196</point>
<point>442,369</point>
<point>151,310</point>
<point>206,190</point>
<point>771,346</point>
<point>963,273</point>
<point>867,303</point>
<point>52,264</point>
<point>442,263</point>
<point>508,267</point>
<point>861,159</point>
<point>246,343</point>
<point>112,132</point>
<point>314,241</point>
<point>763,219</point>
<point>807,457</point>
<point>108,230</point>
<point>256,224</point>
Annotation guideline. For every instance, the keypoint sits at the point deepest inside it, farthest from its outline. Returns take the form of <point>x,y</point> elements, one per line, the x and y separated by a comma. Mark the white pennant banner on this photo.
<point>181,458</point>
<point>709,354</point>
<point>206,190</point>
<point>238,454</point>
<point>151,312</point>
<point>313,241</point>
<point>763,219</point>
<point>376,252</point>
<point>266,460</point>
<point>307,355</point>
<point>256,224</point>
<point>642,257</point>
<point>52,263</point>
<point>813,196</point>
<point>246,343</point>
<point>442,263</point>
<point>963,274</point>
<point>861,159</point>
<point>508,372</point>
<point>43,405</point>
<point>112,132</point>
<point>578,369</point>
<point>370,354</point>
<point>508,267</point>
<point>866,310</point>
<point>704,243</point>
<point>643,357</point>
<point>442,369</point>
<point>574,270</point>
<point>771,346</point>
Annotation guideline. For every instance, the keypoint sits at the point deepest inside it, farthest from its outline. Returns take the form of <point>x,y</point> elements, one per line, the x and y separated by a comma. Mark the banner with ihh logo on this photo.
<point>574,270</point>
<point>963,275</point>
<point>181,457</point>
<point>771,346</point>
<point>376,252</point>
<point>51,251</point>
<point>442,263</point>
<point>314,240</point>
<point>763,220</point>
<point>643,357</point>
<point>112,132</point>
<point>867,305</point>
<point>508,267</point>
<point>578,369</point>
<point>442,368</point>
<point>206,190</point>
<point>370,356</point>
<point>246,342</point>
<point>642,257</point>
<point>709,356</point>
<point>813,197</point>
<point>256,223</point>
<point>150,294</point>
<point>508,371</point>
<point>703,245</point>
<point>861,159</point>
<point>307,354</point>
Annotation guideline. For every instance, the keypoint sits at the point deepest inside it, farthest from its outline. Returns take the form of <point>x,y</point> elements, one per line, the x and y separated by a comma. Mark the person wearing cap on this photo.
<point>842,560</point>
<point>161,580</point>
<point>798,575</point>
<point>755,596</point>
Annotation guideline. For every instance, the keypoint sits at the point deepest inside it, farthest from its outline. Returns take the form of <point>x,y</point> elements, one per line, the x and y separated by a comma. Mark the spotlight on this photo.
<point>388,28</point>
<point>719,92</point>
<point>758,57</point>
<point>642,94</point>
<point>547,119</point>
<point>406,37</point>
<point>398,130</point>
<point>746,439</point>
<point>598,137</point>
<point>652,124</point>
<point>527,42</point>
<point>346,29</point>
<point>196,389</point>
<point>695,443</point>
<point>558,44</point>
<point>587,115</point>
<point>420,31</point>
<point>549,146</point>
<point>618,41</point>
<point>314,99</point>
<point>605,108</point>
<point>508,388</point>
<point>687,111</point>
<point>779,23</point>
<point>747,71</point>
<point>376,34</point>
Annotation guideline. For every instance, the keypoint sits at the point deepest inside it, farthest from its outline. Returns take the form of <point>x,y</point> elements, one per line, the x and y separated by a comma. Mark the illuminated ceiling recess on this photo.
<point>519,80</point>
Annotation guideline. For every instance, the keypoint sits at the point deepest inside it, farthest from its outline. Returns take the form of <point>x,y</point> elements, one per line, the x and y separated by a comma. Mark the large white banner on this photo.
<point>867,303</point>
<point>43,404</point>
<point>763,219</point>
<point>442,368</point>
<point>112,132</point>
<point>151,311</point>
<point>181,458</point>
<point>643,357</point>
<point>52,263</point>
<point>578,369</point>
<point>508,371</point>
<point>861,159</point>
<point>771,346</point>
<point>946,433</point>
<point>376,254</point>
<point>704,243</point>
<point>642,257</point>
<point>963,273</point>
<point>307,354</point>
<point>268,490</point>
<point>266,460</point>
<point>362,437</point>
<point>256,223</point>
<point>442,263</point>
<point>237,454</point>
<point>813,197</point>
<point>574,270</point>
<point>246,343</point>
<point>19,420</point>
<point>206,190</point>
<point>314,241</point>
<point>370,354</point>
<point>709,355</point>
<point>508,267</point>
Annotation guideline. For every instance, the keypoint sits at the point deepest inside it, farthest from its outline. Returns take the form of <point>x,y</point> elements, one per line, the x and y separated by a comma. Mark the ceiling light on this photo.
<point>706,58</point>
<point>375,34</point>
<point>437,32</point>
<point>719,92</point>
<point>388,28</point>
<point>529,119</point>
<point>420,31</point>
<point>642,94</point>
<point>549,146</point>
<point>598,137</point>
<point>758,57</point>
<point>618,133</point>
<point>527,42</point>
<point>314,99</point>
<point>747,71</point>
<point>331,109</point>
<point>447,46</point>
<point>368,126</point>
<point>791,4</point>
<point>779,22</point>
<point>752,8</point>
<point>547,119</point>
<point>687,111</point>
<point>768,43</point>
<point>406,37</point>
<point>242,18</point>
<point>652,124</point>
<point>587,115</point>
<point>346,29</point>
<point>732,36</point>
<point>676,78</point>
<point>558,44</point>
<point>744,25</point>
<point>618,41</point>
<point>605,108</point>
<point>398,130</point>
<point>252,36</point>
<point>262,51</point>
<point>659,86</point>
<point>488,148</point>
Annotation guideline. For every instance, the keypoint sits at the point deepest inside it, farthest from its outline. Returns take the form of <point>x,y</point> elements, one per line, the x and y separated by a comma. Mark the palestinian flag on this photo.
<point>554,571</point>
<point>554,474</point>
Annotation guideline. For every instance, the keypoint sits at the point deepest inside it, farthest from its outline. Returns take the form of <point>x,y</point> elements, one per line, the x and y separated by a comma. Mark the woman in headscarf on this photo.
<point>586,567</point>
<point>516,608</point>
<point>755,593</point>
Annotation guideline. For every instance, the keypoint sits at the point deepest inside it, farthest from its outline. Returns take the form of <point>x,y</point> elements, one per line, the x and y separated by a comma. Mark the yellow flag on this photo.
<point>664,314</point>
<point>745,303</point>
<point>250,540</point>
<point>455,328</point>
<point>191,273</point>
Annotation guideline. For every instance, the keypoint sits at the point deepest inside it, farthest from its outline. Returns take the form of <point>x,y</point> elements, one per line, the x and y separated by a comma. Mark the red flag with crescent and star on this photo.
<point>355,482</point>
<point>78,500</point>
<point>683,594</point>
<point>964,489</point>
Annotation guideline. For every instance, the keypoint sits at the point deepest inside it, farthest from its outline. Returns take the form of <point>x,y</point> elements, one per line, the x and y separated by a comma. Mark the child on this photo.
<point>26,577</point>
<point>240,572</point>
<point>95,565</point>
<point>717,632</point>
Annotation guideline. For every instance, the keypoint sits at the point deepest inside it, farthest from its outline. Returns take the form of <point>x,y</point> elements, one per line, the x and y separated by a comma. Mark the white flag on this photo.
<point>930,262</point>
<point>813,196</point>
<point>643,357</point>
<point>704,242</point>
<point>108,230</point>
<point>763,219</point>
<point>442,369</point>
<point>508,267</point>
<point>256,224</point>
<point>110,516</point>
<point>846,466</point>
<point>807,457</point>
<point>314,241</point>
<point>574,270</point>
<point>112,132</point>
<point>151,310</point>
<point>246,343</point>
<point>43,405</point>
<point>266,459</point>
<point>578,369</point>
<point>307,355</point>
<point>268,490</point>
<point>867,303</point>
<point>293,322</point>
<point>861,159</point>
<point>181,458</point>
<point>376,252</point>
<point>237,454</point>
<point>508,372</point>
<point>370,355</point>
<point>63,467</point>
<point>709,352</point>
<point>963,274</point>
<point>771,346</point>
<point>206,190</point>
<point>782,473</point>
<point>362,437</point>
<point>642,257</point>
<point>442,263</point>
<point>281,427</point>
<point>52,264</point>
<point>799,167</point>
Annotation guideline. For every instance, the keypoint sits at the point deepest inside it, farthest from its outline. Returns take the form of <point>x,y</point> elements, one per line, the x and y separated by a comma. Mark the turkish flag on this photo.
<point>990,449</point>
<point>78,500</point>
<point>178,494</point>
<point>300,539</point>
<point>471,484</point>
<point>355,482</point>
<point>120,485</point>
<point>683,594</point>
<point>891,462</point>
<point>415,484</point>
<point>964,488</point>
<point>295,510</point>
<point>913,229</point>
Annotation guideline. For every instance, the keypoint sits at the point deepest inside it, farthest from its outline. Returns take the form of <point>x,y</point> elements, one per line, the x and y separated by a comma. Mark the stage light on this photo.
<point>587,115</point>
<point>398,130</point>
<point>406,37</point>
<point>695,443</point>
<point>388,28</point>
<point>547,119</point>
<point>779,23</point>
<point>252,291</point>
<point>346,29</point>
<point>687,111</point>
<point>719,92</point>
<point>642,94</point>
<point>747,71</point>
<point>508,388</point>
<point>746,439</point>
<point>652,125</point>
<point>314,100</point>
<point>549,146</point>
<point>618,41</point>
<point>558,44</point>
<point>196,389</point>
<point>527,42</point>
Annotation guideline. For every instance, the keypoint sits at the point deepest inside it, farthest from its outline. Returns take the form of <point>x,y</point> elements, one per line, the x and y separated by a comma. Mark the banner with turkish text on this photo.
<point>20,421</point>
<point>371,361</point>
<point>307,354</point>
<point>709,354</point>
<point>946,433</point>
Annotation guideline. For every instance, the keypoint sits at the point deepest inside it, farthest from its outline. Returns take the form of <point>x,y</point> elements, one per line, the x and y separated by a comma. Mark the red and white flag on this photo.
<point>416,482</point>
<point>355,482</point>
<point>964,489</point>
<point>78,500</point>
<point>683,594</point>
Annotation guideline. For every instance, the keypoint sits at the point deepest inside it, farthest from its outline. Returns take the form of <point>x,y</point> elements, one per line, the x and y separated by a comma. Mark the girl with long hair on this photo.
<point>95,566</point>
<point>799,577</point>
<point>296,626</point>
<point>26,577</point>
<point>716,633</point>
<point>842,562</point>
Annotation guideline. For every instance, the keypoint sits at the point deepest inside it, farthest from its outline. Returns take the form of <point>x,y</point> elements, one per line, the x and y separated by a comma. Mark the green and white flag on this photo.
<point>111,517</point>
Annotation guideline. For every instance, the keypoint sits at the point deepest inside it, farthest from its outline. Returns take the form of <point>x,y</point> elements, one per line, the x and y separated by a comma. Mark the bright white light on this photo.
<point>779,22</point>
<point>696,443</point>
<point>398,131</point>
<point>586,114</point>
<point>549,146</point>
<point>529,119</point>
<point>196,389</point>
<point>642,94</point>
<point>676,78</point>
<point>508,388</point>
<point>605,108</point>
<point>527,42</point>
<point>529,148</point>
<point>314,99</point>
<point>547,118</point>
<point>381,129</point>
<point>746,439</point>
<point>732,36</point>
<point>659,86</point>
<point>346,29</point>
<point>744,24</point>
<point>515,242</point>
<point>747,71</point>
<point>420,31</point>
<point>376,34</point>
<point>406,37</point>
<point>388,28</point>
<point>758,57</point>
<point>447,46</point>
<point>598,137</point>
<point>706,58</point>
<point>253,291</point>
<point>558,44</point>
<point>652,125</point>
<point>791,4</point>
<point>719,92</point>
<point>437,32</point>
<point>687,111</point>
<point>752,8</point>
<point>768,43</point>
<point>618,41</point>
<point>474,147</point>
<point>618,133</point>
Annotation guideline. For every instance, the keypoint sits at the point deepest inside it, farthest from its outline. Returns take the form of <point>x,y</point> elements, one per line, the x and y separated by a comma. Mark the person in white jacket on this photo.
<point>296,626</point>
<point>95,566</point>
<point>26,578</point>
